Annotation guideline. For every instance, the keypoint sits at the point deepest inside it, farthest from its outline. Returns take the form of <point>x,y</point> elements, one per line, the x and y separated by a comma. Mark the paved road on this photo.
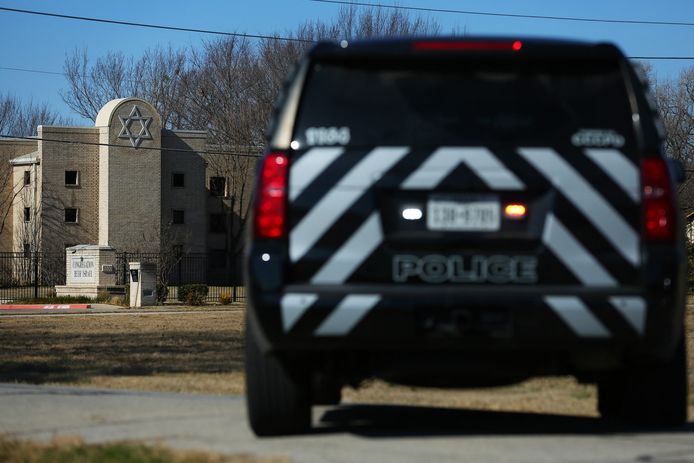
<point>345,434</point>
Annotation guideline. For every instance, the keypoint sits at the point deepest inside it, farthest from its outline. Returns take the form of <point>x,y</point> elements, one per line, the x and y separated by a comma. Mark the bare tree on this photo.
<point>231,87</point>
<point>220,92</point>
<point>365,23</point>
<point>153,77</point>
<point>159,73</point>
<point>181,82</point>
<point>31,115</point>
<point>90,87</point>
<point>675,101</point>
<point>28,229</point>
<point>8,193</point>
<point>8,110</point>
<point>18,118</point>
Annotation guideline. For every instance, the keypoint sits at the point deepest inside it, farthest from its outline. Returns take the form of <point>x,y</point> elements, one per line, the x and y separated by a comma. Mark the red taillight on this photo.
<point>271,195</point>
<point>659,212</point>
<point>443,45</point>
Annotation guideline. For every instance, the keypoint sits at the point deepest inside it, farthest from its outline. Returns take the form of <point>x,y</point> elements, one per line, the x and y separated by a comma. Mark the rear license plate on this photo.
<point>463,215</point>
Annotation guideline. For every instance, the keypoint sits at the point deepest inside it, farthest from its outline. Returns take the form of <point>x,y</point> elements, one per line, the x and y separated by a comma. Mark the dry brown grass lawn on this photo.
<point>200,352</point>
<point>203,352</point>
<point>74,450</point>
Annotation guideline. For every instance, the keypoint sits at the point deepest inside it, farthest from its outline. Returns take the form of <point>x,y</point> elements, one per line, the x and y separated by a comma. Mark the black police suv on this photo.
<point>465,212</point>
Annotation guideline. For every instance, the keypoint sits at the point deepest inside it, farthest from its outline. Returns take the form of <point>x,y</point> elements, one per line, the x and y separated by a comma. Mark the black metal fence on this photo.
<point>222,278</point>
<point>35,274</point>
<point>30,275</point>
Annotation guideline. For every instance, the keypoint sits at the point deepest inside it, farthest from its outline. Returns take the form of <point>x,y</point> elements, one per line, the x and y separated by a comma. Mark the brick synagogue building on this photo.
<point>126,183</point>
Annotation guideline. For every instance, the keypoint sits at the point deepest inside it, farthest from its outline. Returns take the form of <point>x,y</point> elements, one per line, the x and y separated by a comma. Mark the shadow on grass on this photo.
<point>36,356</point>
<point>405,421</point>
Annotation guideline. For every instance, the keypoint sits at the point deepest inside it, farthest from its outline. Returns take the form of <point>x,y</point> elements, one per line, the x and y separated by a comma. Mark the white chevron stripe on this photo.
<point>347,314</point>
<point>573,255</point>
<point>633,309</point>
<point>622,171</point>
<point>308,167</point>
<point>582,195</point>
<point>331,206</point>
<point>293,306</point>
<point>445,159</point>
<point>352,253</point>
<point>579,318</point>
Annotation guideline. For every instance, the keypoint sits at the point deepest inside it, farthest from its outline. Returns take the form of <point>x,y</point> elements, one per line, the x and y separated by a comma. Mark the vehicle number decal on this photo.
<point>327,136</point>
<point>598,138</point>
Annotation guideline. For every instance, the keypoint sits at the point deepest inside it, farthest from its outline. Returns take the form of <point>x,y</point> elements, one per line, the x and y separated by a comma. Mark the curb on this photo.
<point>45,306</point>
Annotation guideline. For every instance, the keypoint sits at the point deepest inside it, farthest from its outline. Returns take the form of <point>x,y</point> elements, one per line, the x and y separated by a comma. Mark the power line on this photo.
<point>291,39</point>
<point>176,150</point>
<point>54,73</point>
<point>153,26</point>
<point>510,15</point>
<point>662,57</point>
<point>37,71</point>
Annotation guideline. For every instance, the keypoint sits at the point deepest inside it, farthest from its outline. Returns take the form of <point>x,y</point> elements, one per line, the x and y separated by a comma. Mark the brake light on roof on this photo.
<point>271,197</point>
<point>515,211</point>
<point>658,208</point>
<point>447,45</point>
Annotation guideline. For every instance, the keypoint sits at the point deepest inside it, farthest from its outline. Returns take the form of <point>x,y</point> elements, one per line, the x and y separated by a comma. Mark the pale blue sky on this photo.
<point>42,43</point>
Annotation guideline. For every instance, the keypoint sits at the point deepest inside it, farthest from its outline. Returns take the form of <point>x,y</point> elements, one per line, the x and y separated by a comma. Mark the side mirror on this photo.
<point>676,170</point>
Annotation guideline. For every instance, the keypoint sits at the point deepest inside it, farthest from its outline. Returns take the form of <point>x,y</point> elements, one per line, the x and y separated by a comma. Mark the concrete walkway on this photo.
<point>350,433</point>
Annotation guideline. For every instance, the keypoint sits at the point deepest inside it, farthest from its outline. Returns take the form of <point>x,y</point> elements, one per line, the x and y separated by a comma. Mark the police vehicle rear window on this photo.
<point>464,103</point>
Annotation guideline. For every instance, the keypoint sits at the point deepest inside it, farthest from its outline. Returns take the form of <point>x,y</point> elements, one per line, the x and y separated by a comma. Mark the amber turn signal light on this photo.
<point>515,211</point>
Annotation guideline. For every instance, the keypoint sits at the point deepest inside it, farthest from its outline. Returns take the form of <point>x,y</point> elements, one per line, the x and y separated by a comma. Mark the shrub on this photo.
<point>119,300</point>
<point>103,297</point>
<point>162,293</point>
<point>225,298</point>
<point>193,294</point>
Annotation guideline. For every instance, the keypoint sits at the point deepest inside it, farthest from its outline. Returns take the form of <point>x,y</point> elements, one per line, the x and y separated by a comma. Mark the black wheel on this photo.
<point>609,397</point>
<point>277,392</point>
<point>652,394</point>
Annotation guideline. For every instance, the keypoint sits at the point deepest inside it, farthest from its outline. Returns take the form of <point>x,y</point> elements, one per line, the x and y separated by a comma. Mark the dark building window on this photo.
<point>218,186</point>
<point>27,250</point>
<point>71,215</point>
<point>178,180</point>
<point>179,216</point>
<point>217,223</point>
<point>72,178</point>
<point>27,177</point>
<point>27,214</point>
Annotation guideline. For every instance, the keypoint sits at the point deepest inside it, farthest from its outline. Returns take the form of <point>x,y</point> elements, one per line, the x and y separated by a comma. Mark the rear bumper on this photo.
<point>378,318</point>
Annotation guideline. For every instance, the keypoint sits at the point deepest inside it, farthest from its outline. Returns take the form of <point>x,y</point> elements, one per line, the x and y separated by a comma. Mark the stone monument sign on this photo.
<point>90,269</point>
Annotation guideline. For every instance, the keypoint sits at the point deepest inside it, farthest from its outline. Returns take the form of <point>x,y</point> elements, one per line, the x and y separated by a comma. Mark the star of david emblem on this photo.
<point>127,131</point>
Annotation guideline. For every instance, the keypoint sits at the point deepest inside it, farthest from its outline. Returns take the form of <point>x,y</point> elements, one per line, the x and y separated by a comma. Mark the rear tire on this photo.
<point>277,392</point>
<point>654,394</point>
